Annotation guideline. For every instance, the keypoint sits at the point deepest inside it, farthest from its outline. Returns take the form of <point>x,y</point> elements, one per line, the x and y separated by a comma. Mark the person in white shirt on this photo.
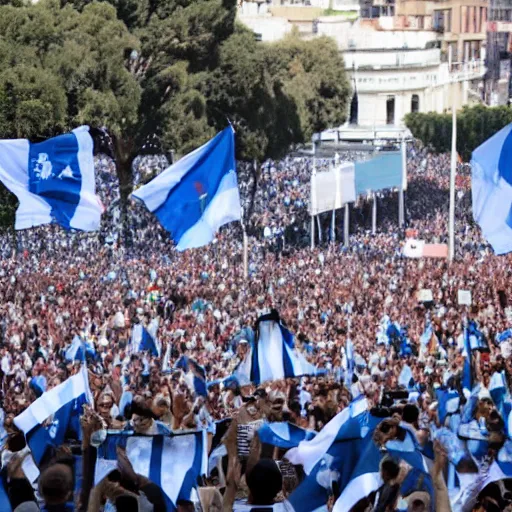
<point>6,363</point>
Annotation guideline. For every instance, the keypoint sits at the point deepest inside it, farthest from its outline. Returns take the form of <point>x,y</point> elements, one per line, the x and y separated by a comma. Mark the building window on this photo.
<point>354,108</point>
<point>415,103</point>
<point>390,110</point>
<point>439,21</point>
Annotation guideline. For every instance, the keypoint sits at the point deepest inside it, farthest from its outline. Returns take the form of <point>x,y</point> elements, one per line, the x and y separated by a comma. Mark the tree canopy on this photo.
<point>475,125</point>
<point>177,69</point>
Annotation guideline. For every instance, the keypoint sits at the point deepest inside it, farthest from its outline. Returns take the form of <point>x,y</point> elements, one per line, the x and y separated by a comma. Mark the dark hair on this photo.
<point>384,428</point>
<point>127,503</point>
<point>295,408</point>
<point>410,413</point>
<point>380,412</point>
<point>139,409</point>
<point>185,505</point>
<point>397,410</point>
<point>390,467</point>
<point>56,484</point>
<point>265,482</point>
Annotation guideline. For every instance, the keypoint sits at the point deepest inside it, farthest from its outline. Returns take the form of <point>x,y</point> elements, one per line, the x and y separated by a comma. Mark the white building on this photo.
<point>394,71</point>
<point>392,83</point>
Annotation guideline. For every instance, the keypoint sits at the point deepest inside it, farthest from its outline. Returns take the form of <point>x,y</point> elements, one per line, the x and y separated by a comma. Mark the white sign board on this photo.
<point>332,189</point>
<point>464,297</point>
<point>425,296</point>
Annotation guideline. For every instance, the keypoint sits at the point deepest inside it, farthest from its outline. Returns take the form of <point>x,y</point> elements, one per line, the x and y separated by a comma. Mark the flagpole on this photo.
<point>453,171</point>
<point>401,199</point>
<point>374,214</point>
<point>246,253</point>
<point>245,243</point>
<point>346,226</point>
<point>313,195</point>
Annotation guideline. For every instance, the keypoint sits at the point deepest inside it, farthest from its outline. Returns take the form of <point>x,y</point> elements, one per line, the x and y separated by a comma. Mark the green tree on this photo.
<point>179,69</point>
<point>313,75</point>
<point>276,95</point>
<point>61,68</point>
<point>475,125</point>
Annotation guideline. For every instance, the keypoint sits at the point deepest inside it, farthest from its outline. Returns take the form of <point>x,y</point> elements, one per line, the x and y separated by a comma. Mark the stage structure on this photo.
<point>344,182</point>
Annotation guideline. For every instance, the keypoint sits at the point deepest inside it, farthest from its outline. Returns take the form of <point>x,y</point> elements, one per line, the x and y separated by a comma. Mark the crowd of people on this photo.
<point>56,286</point>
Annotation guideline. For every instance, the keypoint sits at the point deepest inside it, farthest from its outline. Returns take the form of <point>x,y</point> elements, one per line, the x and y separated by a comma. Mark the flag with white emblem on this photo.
<point>53,180</point>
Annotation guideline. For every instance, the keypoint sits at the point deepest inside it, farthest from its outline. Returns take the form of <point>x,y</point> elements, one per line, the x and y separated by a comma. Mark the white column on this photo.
<point>313,196</point>
<point>374,214</point>
<point>312,232</point>
<point>346,226</point>
<point>337,200</point>
<point>333,226</point>
<point>453,172</point>
<point>246,253</point>
<point>401,199</point>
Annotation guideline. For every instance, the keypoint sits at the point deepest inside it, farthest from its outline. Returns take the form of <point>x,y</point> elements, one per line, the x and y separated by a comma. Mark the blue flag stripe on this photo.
<point>183,206</point>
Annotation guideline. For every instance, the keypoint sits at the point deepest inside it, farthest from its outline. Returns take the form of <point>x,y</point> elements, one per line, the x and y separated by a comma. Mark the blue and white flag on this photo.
<point>365,476</point>
<point>329,458</point>
<point>273,356</point>
<point>427,333</point>
<point>467,368</point>
<point>449,403</point>
<point>352,462</point>
<point>476,338</point>
<point>144,339</point>
<point>498,390</point>
<point>53,180</point>
<point>196,377</point>
<point>148,343</point>
<point>198,194</point>
<point>405,377</point>
<point>309,452</point>
<point>79,349</point>
<point>284,435</point>
<point>503,336</point>
<point>63,404</point>
<point>491,188</point>
<point>38,385</point>
<point>5,503</point>
<point>173,462</point>
<point>349,361</point>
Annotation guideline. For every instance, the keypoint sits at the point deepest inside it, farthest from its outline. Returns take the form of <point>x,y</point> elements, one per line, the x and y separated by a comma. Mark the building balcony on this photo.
<point>381,81</point>
<point>462,71</point>
<point>391,59</point>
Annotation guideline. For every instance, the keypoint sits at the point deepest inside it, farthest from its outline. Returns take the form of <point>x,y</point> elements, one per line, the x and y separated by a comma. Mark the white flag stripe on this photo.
<point>308,453</point>
<point>87,215</point>
<point>51,401</point>
<point>270,352</point>
<point>359,488</point>
<point>78,206</point>
<point>223,208</point>
<point>32,210</point>
<point>138,450</point>
<point>156,191</point>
